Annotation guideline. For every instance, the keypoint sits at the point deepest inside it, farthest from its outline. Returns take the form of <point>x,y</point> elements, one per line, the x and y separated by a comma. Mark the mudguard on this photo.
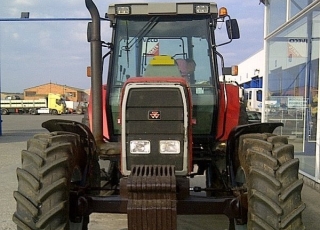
<point>82,130</point>
<point>234,135</point>
<point>229,110</point>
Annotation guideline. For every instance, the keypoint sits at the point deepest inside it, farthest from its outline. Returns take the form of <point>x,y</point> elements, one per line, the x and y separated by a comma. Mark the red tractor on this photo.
<point>162,121</point>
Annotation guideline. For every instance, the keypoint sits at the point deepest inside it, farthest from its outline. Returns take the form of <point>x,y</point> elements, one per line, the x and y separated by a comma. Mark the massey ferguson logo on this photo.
<point>154,115</point>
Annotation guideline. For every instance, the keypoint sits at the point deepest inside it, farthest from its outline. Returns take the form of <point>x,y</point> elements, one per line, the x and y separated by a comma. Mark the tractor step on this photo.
<point>152,202</point>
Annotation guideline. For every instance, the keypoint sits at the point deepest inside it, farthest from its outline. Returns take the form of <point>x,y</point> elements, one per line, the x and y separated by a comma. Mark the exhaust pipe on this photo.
<point>94,38</point>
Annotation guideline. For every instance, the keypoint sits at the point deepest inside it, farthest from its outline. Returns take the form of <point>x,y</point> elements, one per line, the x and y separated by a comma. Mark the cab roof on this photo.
<point>165,8</point>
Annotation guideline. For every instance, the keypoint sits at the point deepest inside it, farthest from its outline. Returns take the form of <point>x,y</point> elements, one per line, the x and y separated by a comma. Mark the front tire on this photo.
<point>44,181</point>
<point>54,112</point>
<point>33,111</point>
<point>274,189</point>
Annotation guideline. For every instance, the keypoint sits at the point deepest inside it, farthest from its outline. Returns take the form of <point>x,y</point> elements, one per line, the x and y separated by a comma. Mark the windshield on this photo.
<point>140,40</point>
<point>185,41</point>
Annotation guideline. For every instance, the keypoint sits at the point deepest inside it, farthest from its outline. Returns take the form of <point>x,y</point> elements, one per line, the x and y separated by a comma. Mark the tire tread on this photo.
<point>44,181</point>
<point>274,189</point>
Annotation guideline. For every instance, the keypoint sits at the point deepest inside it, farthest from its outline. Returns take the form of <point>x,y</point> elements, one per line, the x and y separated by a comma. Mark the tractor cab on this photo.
<point>161,40</point>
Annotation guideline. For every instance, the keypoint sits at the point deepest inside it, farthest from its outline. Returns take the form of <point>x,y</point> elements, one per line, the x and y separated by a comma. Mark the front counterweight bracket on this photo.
<point>152,202</point>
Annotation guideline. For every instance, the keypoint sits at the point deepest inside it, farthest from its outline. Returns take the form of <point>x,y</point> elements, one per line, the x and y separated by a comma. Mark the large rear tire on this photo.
<point>49,164</point>
<point>271,175</point>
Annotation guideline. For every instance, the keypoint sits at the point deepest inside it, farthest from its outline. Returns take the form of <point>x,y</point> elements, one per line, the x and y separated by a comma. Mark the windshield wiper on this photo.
<point>142,33</point>
<point>139,36</point>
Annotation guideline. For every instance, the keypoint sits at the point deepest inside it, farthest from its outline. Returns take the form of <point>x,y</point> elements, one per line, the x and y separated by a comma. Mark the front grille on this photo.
<point>154,114</point>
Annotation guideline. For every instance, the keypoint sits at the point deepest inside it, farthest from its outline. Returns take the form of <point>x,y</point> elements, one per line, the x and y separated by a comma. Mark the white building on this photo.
<point>292,31</point>
<point>254,66</point>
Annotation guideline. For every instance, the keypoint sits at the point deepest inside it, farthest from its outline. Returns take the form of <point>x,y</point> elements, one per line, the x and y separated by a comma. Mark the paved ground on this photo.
<point>17,129</point>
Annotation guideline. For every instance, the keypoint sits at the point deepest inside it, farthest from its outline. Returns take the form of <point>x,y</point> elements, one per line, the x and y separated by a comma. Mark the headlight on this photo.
<point>140,147</point>
<point>201,9</point>
<point>123,10</point>
<point>170,147</point>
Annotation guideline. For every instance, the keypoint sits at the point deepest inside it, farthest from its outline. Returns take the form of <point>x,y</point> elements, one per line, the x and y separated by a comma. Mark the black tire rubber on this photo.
<point>44,181</point>
<point>54,112</point>
<point>33,111</point>
<point>274,189</point>
<point>4,112</point>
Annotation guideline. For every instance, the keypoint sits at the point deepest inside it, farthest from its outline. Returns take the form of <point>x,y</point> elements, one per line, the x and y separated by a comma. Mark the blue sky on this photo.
<point>35,53</point>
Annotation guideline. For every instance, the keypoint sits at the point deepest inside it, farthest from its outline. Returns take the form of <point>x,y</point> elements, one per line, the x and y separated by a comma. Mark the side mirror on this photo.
<point>233,29</point>
<point>233,70</point>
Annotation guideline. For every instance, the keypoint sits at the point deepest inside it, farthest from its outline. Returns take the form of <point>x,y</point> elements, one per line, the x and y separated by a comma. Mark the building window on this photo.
<point>293,85</point>
<point>30,93</point>
<point>277,14</point>
<point>279,11</point>
<point>297,5</point>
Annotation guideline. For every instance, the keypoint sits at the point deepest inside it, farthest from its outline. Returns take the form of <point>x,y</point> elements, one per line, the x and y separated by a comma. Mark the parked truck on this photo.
<point>78,107</point>
<point>159,127</point>
<point>52,104</point>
